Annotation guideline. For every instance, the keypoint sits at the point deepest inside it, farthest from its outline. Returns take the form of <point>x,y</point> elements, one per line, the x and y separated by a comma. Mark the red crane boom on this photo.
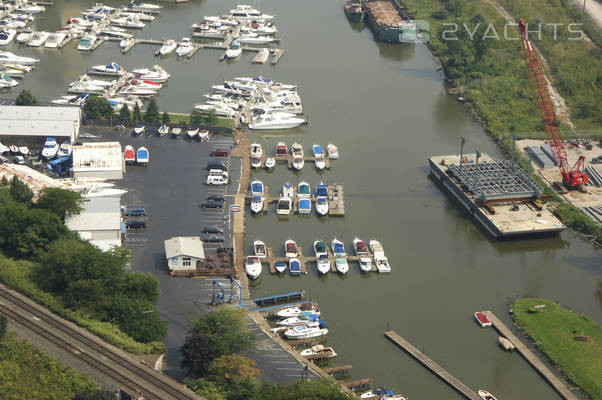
<point>571,177</point>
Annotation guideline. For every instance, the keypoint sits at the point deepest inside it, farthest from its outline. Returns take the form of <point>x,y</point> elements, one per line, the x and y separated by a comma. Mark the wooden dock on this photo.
<point>433,366</point>
<point>336,201</point>
<point>360,384</point>
<point>277,54</point>
<point>289,161</point>
<point>535,362</point>
<point>338,370</point>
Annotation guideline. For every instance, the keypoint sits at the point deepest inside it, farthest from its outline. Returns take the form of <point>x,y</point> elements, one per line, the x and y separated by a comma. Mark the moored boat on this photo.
<point>280,266</point>
<point>253,267</point>
<point>320,248</point>
<point>7,36</point>
<point>256,150</point>
<point>284,206</point>
<point>333,151</point>
<point>281,150</point>
<point>303,190</point>
<point>485,395</point>
<point>234,50</point>
<point>366,264</point>
<point>359,247</point>
<point>296,310</point>
<point>354,11</point>
<point>338,248</point>
<point>482,319</point>
<point>381,394</point>
<point>270,163</point>
<point>307,331</point>
<point>323,264</point>
<point>322,207</point>
<point>382,263</point>
<point>290,248</point>
<point>257,188</point>
<point>319,157</point>
<point>298,163</point>
<point>185,47</point>
<point>319,351</point>
<point>276,120</point>
<point>168,47</point>
<point>302,318</point>
<point>304,206</point>
<point>86,43</point>
<point>65,149</point>
<point>376,247</point>
<point>23,150</point>
<point>288,190</point>
<point>260,249</point>
<point>109,69</point>
<point>294,266</point>
<point>257,204</point>
<point>341,265</point>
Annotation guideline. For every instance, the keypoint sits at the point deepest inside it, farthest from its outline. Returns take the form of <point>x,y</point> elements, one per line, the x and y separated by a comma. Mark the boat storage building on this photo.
<point>99,221</point>
<point>40,121</point>
<point>101,160</point>
<point>183,253</point>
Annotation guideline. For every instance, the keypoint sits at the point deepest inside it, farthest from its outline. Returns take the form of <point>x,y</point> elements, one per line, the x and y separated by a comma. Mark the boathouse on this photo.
<point>39,122</point>
<point>99,222</point>
<point>184,253</point>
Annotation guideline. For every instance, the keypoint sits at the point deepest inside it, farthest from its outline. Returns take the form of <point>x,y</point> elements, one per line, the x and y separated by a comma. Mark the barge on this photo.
<point>499,195</point>
<point>387,21</point>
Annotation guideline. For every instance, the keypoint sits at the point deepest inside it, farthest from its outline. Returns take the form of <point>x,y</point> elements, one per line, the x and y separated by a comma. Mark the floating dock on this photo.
<point>433,366</point>
<point>336,201</point>
<point>385,18</point>
<point>535,362</point>
<point>500,196</point>
<point>280,298</point>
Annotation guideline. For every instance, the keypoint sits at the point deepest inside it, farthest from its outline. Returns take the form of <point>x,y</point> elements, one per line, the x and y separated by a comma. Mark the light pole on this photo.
<point>462,141</point>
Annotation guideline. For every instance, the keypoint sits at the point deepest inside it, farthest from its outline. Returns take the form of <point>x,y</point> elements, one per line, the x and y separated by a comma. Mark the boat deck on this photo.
<point>383,12</point>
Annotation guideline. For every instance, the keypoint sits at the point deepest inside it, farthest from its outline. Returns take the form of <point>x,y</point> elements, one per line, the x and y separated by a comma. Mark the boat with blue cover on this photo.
<point>257,188</point>
<point>142,155</point>
<point>304,206</point>
<point>294,266</point>
<point>307,331</point>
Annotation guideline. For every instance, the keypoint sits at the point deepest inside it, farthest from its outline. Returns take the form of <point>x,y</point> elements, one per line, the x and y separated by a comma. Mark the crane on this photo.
<point>572,178</point>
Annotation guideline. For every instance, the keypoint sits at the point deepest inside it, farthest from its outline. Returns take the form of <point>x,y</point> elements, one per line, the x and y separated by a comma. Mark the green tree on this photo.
<point>97,395</point>
<point>455,7</point>
<point>97,107</point>
<point>165,118</point>
<point>60,201</point>
<point>210,118</point>
<point>3,326</point>
<point>152,113</point>
<point>5,181</point>
<point>196,118</point>
<point>137,318</point>
<point>230,371</point>
<point>137,114</point>
<point>25,98</point>
<point>459,54</point>
<point>197,355</point>
<point>124,114</point>
<point>20,191</point>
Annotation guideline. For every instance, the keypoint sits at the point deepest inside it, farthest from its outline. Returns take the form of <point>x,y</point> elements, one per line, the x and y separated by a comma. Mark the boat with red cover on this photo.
<point>482,319</point>
<point>129,155</point>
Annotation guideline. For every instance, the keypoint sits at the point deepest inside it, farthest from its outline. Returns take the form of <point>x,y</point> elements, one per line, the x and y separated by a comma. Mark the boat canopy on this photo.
<point>321,246</point>
<point>323,323</point>
<point>338,248</point>
<point>257,187</point>
<point>256,198</point>
<point>295,266</point>
<point>142,152</point>
<point>280,264</point>
<point>304,204</point>
<point>318,149</point>
<point>291,246</point>
<point>139,126</point>
<point>322,190</point>
<point>322,200</point>
<point>304,189</point>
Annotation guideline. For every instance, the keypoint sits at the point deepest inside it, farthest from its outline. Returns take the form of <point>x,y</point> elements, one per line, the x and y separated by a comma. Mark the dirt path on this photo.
<point>592,8</point>
<point>562,110</point>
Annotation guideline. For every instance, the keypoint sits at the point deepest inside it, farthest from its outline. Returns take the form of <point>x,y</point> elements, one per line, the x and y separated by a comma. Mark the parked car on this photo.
<point>213,229</point>
<point>216,197</point>
<point>135,224</point>
<point>214,239</point>
<point>221,152</point>
<point>135,212</point>
<point>218,172</point>
<point>212,204</point>
<point>217,180</point>
<point>216,165</point>
<point>20,160</point>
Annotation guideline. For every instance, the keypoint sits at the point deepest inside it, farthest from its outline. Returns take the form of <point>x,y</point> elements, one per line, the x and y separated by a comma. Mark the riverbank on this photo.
<point>571,341</point>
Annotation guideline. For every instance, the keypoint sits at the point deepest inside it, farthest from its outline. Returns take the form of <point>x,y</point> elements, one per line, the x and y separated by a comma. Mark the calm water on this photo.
<point>386,108</point>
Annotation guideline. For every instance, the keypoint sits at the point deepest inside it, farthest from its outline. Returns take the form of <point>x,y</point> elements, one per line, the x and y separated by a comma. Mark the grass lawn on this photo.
<point>185,118</point>
<point>552,332</point>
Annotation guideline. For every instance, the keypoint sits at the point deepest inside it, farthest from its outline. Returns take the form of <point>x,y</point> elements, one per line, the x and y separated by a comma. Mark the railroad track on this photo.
<point>134,377</point>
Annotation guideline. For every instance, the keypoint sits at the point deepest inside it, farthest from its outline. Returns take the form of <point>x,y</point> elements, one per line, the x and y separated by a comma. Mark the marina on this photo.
<point>336,200</point>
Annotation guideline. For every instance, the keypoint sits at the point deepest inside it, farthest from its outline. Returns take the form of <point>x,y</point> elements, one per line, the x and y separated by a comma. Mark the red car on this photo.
<point>223,152</point>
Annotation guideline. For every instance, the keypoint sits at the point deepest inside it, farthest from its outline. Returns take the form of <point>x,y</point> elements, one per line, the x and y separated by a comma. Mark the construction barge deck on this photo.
<point>388,21</point>
<point>501,197</point>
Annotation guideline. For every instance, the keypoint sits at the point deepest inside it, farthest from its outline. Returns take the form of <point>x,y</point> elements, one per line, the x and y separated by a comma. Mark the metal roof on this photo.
<point>40,121</point>
<point>35,180</point>
<point>97,156</point>
<point>191,246</point>
<point>98,213</point>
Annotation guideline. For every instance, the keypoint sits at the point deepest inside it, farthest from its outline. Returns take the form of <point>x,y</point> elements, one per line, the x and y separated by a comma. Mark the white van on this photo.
<point>217,180</point>
<point>218,172</point>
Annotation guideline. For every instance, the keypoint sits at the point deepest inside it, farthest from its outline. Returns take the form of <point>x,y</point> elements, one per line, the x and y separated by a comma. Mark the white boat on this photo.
<point>298,163</point>
<point>284,206</point>
<point>99,191</point>
<point>304,206</point>
<point>74,100</point>
<point>262,56</point>
<point>381,394</point>
<point>320,248</point>
<point>185,47</point>
<point>130,21</point>
<point>288,190</point>
<point>219,111</point>
<point>243,10</point>
<point>176,132</point>
<point>255,162</point>
<point>86,43</point>
<point>341,265</point>
<point>148,7</point>
<point>302,318</point>
<point>297,150</point>
<point>7,36</point>
<point>307,331</point>
<point>192,133</point>
<point>296,310</point>
<point>376,247</point>
<point>65,149</point>
<point>140,15</point>
<point>7,57</point>
<point>6,81</point>
<point>303,190</point>
<point>24,37</point>
<point>143,84</point>
<point>11,24</point>
<point>110,69</point>
<point>256,150</point>
<point>15,70</point>
<point>55,40</point>
<point>257,188</point>
<point>270,163</point>
<point>323,264</point>
<point>156,74</point>
<point>290,248</point>
<point>257,204</point>
<point>333,151</point>
<point>366,264</point>
<point>253,267</point>
<point>253,38</point>
<point>263,29</point>
<point>142,156</point>
<point>260,249</point>
<point>38,38</point>
<point>319,351</point>
<point>276,121</point>
<point>168,47</point>
<point>163,130</point>
<point>219,21</point>
<point>24,150</point>
<point>319,156</point>
<point>14,149</point>
<point>4,149</point>
<point>485,395</point>
<point>234,50</point>
<point>139,129</point>
<point>50,149</point>
<point>359,247</point>
<point>322,205</point>
<point>127,42</point>
<point>27,8</point>
<point>338,248</point>
<point>382,263</point>
<point>280,266</point>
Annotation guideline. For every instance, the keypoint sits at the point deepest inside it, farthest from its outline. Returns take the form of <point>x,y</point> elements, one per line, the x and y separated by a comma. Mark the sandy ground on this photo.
<point>592,8</point>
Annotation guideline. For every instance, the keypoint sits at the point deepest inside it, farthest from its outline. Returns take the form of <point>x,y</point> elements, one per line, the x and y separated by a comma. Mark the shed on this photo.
<point>184,253</point>
<point>40,121</point>
<point>98,160</point>
<point>99,222</point>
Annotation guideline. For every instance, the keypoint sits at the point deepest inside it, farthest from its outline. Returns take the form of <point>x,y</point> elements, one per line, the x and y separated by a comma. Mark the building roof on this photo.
<point>191,246</point>
<point>39,113</point>
<point>35,180</point>
<point>102,156</point>
<point>98,214</point>
<point>39,121</point>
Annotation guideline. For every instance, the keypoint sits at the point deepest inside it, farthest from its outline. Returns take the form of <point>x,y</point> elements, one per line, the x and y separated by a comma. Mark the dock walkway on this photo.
<point>433,366</point>
<point>535,362</point>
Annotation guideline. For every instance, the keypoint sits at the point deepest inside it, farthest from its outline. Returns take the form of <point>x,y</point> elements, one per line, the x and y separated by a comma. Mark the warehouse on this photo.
<point>40,122</point>
<point>99,222</point>
<point>98,160</point>
<point>184,253</point>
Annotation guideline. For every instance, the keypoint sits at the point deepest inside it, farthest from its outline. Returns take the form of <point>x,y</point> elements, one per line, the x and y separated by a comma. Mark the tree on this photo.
<point>210,118</point>
<point>5,181</point>
<point>25,98</point>
<point>165,118</point>
<point>137,115</point>
<point>196,118</point>
<point>60,201</point>
<point>97,107</point>
<point>98,395</point>
<point>20,191</point>
<point>230,370</point>
<point>124,114</point>
<point>138,318</point>
<point>152,113</point>
<point>3,326</point>
<point>197,355</point>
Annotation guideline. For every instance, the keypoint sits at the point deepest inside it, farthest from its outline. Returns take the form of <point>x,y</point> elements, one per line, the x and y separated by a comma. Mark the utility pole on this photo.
<point>462,141</point>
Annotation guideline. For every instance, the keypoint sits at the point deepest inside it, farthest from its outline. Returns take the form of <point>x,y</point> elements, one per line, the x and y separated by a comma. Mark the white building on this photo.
<point>38,121</point>
<point>98,160</point>
<point>184,253</point>
<point>99,222</point>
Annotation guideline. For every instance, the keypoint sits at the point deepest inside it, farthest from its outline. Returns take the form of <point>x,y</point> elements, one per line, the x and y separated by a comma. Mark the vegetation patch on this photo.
<point>572,341</point>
